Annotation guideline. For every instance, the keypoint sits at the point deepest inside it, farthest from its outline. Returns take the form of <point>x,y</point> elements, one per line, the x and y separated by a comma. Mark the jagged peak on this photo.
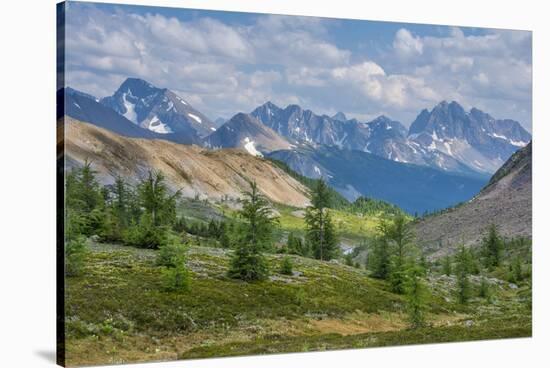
<point>340,116</point>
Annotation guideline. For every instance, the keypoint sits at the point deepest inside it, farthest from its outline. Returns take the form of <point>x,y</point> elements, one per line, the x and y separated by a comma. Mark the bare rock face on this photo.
<point>245,131</point>
<point>448,137</point>
<point>506,201</point>
<point>192,169</point>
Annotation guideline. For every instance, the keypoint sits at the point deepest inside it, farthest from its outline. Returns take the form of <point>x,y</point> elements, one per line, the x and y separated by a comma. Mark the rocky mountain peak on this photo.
<point>158,109</point>
<point>340,116</point>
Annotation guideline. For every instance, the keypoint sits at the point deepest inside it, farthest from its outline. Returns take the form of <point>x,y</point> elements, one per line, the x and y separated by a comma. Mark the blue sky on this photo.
<point>226,62</point>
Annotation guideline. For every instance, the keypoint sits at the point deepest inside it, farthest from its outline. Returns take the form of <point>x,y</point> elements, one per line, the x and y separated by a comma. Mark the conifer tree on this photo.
<point>492,244</point>
<point>156,200</point>
<point>256,235</point>
<point>447,266</point>
<point>484,289</point>
<point>516,270</point>
<point>295,245</point>
<point>286,266</point>
<point>462,276</point>
<point>398,234</point>
<point>84,199</point>
<point>380,259</point>
<point>89,188</point>
<point>416,296</point>
<point>172,255</point>
<point>121,201</point>
<point>320,233</point>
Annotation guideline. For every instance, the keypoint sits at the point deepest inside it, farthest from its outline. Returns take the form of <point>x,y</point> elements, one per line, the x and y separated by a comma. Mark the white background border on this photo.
<point>27,182</point>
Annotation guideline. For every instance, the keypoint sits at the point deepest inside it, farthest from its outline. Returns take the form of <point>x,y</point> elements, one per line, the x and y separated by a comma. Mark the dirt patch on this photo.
<point>360,323</point>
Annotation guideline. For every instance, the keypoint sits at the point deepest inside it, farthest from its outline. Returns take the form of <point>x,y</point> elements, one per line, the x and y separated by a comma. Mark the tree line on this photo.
<point>144,215</point>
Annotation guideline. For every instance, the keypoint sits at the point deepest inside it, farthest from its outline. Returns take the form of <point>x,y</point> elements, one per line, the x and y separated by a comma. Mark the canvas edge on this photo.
<point>60,195</point>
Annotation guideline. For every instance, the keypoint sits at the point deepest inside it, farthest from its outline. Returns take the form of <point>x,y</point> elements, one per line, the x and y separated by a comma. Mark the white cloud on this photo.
<point>406,44</point>
<point>225,68</point>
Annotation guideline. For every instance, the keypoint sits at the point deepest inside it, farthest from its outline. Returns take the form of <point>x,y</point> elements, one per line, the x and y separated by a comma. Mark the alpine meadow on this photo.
<point>241,184</point>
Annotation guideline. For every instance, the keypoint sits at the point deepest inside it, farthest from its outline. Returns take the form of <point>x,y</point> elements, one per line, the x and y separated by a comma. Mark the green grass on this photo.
<point>118,311</point>
<point>337,341</point>
<point>349,226</point>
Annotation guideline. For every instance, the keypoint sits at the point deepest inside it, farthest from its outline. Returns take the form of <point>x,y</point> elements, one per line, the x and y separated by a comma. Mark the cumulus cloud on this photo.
<point>223,68</point>
<point>406,45</point>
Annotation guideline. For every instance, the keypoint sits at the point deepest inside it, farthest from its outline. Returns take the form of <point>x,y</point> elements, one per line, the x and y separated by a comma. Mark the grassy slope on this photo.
<point>118,312</point>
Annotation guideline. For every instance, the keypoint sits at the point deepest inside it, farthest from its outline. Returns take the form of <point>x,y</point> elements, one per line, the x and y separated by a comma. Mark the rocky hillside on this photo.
<point>194,170</point>
<point>506,201</point>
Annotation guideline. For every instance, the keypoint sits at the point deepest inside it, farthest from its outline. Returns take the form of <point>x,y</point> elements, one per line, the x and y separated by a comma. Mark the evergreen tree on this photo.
<point>484,289</point>
<point>416,296</point>
<point>517,274</point>
<point>84,199</point>
<point>424,264</point>
<point>475,268</point>
<point>447,266</point>
<point>295,245</point>
<point>213,230</point>
<point>398,234</point>
<point>156,200</point>
<point>248,262</point>
<point>89,189</point>
<point>398,275</point>
<point>320,233</point>
<point>225,240</point>
<point>380,259</point>
<point>121,201</point>
<point>286,266</point>
<point>145,234</point>
<point>180,225</point>
<point>172,255</point>
<point>492,244</point>
<point>75,255</point>
<point>462,276</point>
<point>171,252</point>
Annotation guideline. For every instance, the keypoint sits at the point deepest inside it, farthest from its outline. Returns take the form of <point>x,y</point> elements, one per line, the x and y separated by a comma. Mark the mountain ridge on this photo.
<point>157,109</point>
<point>506,201</point>
<point>193,170</point>
<point>245,131</point>
<point>478,143</point>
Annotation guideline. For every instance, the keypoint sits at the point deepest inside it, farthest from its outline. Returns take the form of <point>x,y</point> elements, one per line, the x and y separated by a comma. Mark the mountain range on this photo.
<point>447,137</point>
<point>451,150</point>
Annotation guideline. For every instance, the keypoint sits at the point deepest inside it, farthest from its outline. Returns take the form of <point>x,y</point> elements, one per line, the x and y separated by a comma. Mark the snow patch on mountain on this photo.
<point>251,148</point>
<point>518,143</point>
<point>158,126</point>
<point>130,113</point>
<point>195,117</point>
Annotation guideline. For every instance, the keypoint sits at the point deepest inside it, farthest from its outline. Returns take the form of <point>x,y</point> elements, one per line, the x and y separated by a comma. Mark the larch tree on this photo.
<point>255,235</point>
<point>320,233</point>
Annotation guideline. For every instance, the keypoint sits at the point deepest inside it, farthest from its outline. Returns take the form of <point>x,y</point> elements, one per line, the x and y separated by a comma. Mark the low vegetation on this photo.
<point>146,281</point>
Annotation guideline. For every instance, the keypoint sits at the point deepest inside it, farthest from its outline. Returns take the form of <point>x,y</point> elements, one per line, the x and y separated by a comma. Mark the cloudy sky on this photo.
<point>223,62</point>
